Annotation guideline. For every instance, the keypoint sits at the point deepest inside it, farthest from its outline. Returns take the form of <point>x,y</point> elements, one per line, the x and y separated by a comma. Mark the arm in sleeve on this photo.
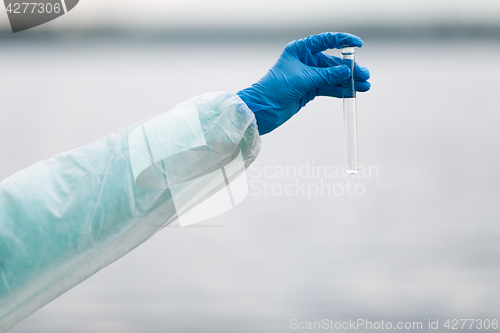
<point>64,219</point>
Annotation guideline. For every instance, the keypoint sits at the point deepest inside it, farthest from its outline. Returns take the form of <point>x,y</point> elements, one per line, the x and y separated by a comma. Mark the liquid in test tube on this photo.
<point>350,121</point>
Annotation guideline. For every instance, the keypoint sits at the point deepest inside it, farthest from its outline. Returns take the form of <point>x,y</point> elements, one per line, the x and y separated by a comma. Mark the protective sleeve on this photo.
<point>64,219</point>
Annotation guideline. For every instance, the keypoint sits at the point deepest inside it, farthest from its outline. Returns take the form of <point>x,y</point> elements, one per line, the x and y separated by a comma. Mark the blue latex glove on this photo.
<point>301,73</point>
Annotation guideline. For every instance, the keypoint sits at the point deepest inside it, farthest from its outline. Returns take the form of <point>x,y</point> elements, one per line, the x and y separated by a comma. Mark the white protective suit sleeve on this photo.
<point>64,219</point>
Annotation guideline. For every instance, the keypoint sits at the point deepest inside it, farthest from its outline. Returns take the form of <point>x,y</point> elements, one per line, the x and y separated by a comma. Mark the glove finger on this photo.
<point>325,60</point>
<point>330,91</point>
<point>331,76</point>
<point>337,91</point>
<point>327,40</point>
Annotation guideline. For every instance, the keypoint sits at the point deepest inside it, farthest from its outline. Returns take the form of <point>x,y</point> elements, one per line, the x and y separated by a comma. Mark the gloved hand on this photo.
<point>301,73</point>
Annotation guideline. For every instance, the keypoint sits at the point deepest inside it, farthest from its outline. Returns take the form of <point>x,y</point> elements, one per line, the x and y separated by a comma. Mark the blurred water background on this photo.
<point>415,237</point>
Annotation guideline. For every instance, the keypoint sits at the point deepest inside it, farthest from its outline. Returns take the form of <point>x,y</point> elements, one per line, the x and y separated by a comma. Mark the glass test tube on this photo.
<point>350,121</point>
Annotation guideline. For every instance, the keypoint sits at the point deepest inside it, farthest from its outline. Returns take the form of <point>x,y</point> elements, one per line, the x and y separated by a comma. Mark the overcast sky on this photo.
<point>269,13</point>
